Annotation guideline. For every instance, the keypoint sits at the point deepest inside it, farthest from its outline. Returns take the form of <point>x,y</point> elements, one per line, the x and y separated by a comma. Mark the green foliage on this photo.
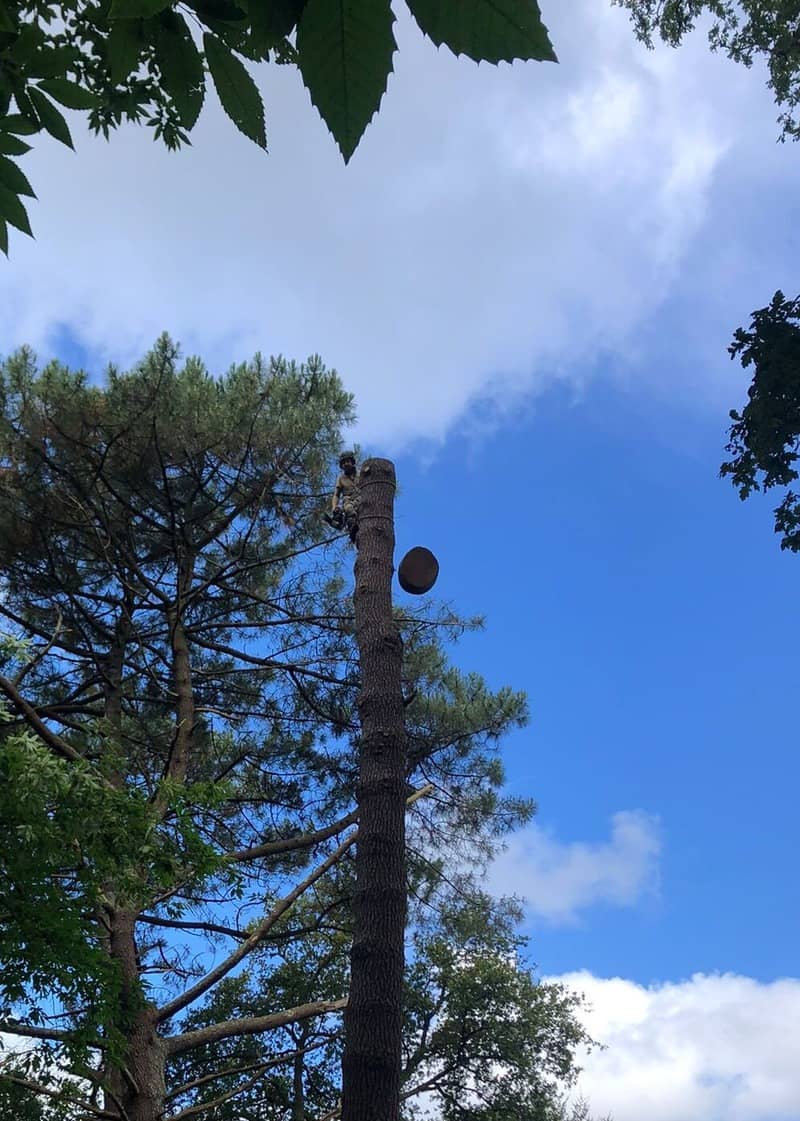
<point>285,975</point>
<point>50,118</point>
<point>52,816</point>
<point>748,31</point>
<point>16,1103</point>
<point>141,61</point>
<point>67,834</point>
<point>765,436</point>
<point>13,179</point>
<point>237,90</point>
<point>345,49</point>
<point>12,211</point>
<point>181,67</point>
<point>486,1039</point>
<point>486,30</point>
<point>69,94</point>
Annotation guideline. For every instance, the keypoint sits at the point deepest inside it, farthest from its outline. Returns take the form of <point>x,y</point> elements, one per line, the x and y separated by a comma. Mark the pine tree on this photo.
<point>180,726</point>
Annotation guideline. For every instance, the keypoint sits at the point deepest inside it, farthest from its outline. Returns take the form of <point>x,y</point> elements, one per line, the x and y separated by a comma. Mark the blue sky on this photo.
<point>529,277</point>
<point>651,618</point>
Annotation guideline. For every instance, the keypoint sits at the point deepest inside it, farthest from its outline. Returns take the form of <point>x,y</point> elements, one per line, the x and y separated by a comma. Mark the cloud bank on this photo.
<point>719,1047</point>
<point>498,229</point>
<point>559,879</point>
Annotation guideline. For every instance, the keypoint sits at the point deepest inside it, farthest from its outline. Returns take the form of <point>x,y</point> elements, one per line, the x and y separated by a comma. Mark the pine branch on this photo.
<point>267,663</point>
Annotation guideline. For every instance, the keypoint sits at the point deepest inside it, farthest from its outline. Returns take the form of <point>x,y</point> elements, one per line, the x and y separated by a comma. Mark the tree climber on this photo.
<point>344,503</point>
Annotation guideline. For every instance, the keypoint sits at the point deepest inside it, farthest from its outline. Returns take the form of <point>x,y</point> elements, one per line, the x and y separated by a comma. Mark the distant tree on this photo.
<point>747,31</point>
<point>147,61</point>
<point>764,440</point>
<point>482,1039</point>
<point>578,1110</point>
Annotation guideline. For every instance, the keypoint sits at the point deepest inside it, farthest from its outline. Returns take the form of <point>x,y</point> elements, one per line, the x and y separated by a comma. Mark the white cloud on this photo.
<point>720,1048</point>
<point>13,1044</point>
<point>559,879</point>
<point>499,227</point>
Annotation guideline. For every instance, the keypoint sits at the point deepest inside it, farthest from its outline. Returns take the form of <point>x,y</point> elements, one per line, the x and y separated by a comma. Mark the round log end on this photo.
<point>418,571</point>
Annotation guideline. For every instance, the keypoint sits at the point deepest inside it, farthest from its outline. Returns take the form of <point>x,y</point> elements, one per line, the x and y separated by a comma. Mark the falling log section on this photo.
<point>373,1018</point>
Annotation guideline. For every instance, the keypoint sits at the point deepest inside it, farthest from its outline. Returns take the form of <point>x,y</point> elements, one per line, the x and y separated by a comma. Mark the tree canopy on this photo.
<point>149,61</point>
<point>747,31</point>
<point>764,442</point>
<point>178,743</point>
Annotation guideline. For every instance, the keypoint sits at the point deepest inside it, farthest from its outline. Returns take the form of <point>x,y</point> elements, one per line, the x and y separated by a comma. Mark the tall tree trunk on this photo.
<point>373,1018</point>
<point>134,1089</point>
<point>178,761</point>
<point>135,1092</point>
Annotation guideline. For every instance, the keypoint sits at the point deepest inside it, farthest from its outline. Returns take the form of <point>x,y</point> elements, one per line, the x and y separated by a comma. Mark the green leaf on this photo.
<point>23,126</point>
<point>3,237</point>
<point>6,22</point>
<point>345,49</point>
<point>237,90</point>
<point>272,22</point>
<point>12,146</point>
<point>24,103</point>
<point>123,46</point>
<point>220,10</point>
<point>30,39</point>
<point>50,117</point>
<point>137,9</point>
<point>12,211</point>
<point>52,62</point>
<point>68,93</point>
<point>486,30</point>
<point>13,178</point>
<point>181,65</point>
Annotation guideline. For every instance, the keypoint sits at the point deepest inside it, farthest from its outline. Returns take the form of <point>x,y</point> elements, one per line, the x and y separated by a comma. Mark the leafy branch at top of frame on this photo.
<point>149,62</point>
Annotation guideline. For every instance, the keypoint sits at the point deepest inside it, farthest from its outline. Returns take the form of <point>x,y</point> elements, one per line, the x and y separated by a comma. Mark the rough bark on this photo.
<point>135,1090</point>
<point>178,762</point>
<point>135,1093</point>
<point>373,1018</point>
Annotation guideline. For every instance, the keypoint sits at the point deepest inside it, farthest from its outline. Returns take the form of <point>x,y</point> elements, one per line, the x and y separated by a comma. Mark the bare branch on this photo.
<point>204,1079</point>
<point>258,935</point>
<point>41,654</point>
<point>32,718</point>
<point>30,1032</point>
<point>259,1068</point>
<point>292,844</point>
<point>187,924</point>
<point>252,1025</point>
<point>307,840</point>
